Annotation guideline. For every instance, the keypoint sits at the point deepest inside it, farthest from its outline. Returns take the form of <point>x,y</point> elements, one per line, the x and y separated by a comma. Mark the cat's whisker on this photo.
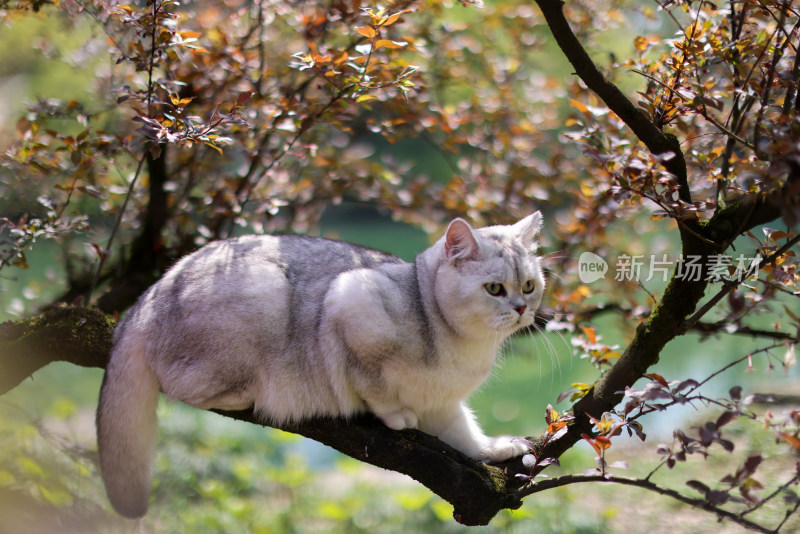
<point>566,344</point>
<point>548,273</point>
<point>505,349</point>
<point>536,339</point>
<point>552,352</point>
<point>501,357</point>
<point>555,255</point>
<point>535,355</point>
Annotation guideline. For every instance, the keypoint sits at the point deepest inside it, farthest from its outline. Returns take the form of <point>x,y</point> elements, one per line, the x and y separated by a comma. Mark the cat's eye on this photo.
<point>494,288</point>
<point>528,286</point>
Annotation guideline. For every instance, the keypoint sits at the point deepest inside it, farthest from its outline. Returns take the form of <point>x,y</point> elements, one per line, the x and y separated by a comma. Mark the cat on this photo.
<point>299,327</point>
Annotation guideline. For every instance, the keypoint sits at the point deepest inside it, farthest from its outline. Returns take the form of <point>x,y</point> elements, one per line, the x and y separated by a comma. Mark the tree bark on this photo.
<point>77,335</point>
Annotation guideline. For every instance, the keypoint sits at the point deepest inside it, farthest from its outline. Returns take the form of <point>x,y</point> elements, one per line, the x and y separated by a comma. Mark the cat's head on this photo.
<point>489,280</point>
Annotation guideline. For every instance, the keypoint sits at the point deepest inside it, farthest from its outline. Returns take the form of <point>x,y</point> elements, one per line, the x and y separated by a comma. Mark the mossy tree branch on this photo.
<point>81,336</point>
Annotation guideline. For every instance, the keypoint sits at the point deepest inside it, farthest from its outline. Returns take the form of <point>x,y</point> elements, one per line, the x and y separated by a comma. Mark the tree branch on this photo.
<point>77,335</point>
<point>477,491</point>
<point>667,318</point>
<point>681,296</point>
<point>730,285</point>
<point>724,327</point>
<point>650,486</point>
<point>656,141</point>
<point>706,328</point>
<point>146,257</point>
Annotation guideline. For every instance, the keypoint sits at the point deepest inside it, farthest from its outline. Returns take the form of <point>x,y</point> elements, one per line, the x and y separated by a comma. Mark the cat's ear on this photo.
<point>528,228</point>
<point>460,242</point>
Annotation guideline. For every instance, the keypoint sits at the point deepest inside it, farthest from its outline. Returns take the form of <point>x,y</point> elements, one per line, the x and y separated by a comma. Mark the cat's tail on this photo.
<point>126,427</point>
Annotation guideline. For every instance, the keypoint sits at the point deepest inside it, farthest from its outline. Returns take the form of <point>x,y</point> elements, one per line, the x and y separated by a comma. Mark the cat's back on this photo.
<point>239,323</point>
<point>298,256</point>
<point>257,274</point>
<point>252,299</point>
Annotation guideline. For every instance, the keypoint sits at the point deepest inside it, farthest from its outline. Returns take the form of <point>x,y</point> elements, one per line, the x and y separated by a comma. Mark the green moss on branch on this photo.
<point>78,335</point>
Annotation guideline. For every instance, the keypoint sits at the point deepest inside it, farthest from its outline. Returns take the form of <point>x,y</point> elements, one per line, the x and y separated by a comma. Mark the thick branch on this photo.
<point>680,296</point>
<point>77,335</point>
<point>477,491</point>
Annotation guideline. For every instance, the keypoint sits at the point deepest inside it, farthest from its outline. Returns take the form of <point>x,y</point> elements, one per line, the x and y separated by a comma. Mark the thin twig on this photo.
<point>644,484</point>
<point>731,284</point>
<point>789,513</point>
<point>151,66</point>
<point>105,253</point>
<point>661,118</point>
<point>734,363</point>
<point>776,57</point>
<point>772,495</point>
<point>722,327</point>
<point>719,327</point>
<point>251,186</point>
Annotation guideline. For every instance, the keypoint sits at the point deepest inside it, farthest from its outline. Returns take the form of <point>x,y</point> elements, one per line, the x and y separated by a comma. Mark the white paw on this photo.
<point>400,419</point>
<point>502,448</point>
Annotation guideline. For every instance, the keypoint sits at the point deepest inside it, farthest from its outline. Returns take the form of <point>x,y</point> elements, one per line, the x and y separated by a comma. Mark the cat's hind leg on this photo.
<point>205,384</point>
<point>396,418</point>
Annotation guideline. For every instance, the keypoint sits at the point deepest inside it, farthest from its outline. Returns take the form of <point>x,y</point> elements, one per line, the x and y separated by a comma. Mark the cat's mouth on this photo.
<point>516,322</point>
<point>522,321</point>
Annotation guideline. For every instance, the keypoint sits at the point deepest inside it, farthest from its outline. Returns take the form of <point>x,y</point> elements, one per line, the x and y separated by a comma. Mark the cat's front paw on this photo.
<point>503,448</point>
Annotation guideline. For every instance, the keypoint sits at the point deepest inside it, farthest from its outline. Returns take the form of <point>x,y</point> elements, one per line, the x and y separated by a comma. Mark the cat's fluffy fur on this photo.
<point>298,327</point>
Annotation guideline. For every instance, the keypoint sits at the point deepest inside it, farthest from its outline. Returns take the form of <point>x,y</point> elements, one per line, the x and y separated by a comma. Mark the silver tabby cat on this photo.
<point>300,327</point>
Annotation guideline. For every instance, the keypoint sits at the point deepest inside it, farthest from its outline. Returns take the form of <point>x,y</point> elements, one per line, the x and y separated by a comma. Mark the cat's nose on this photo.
<point>520,309</point>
